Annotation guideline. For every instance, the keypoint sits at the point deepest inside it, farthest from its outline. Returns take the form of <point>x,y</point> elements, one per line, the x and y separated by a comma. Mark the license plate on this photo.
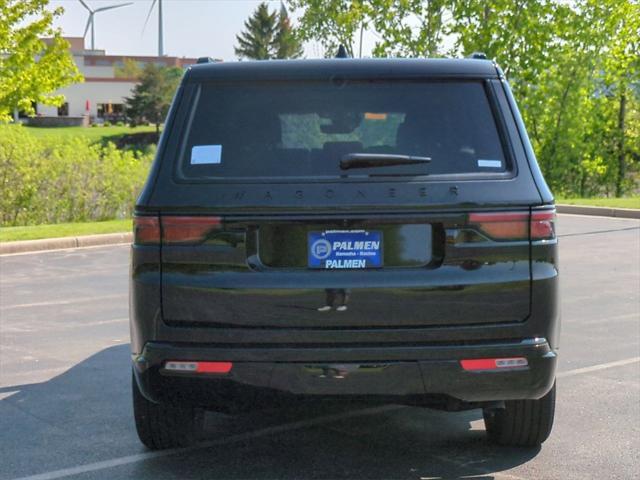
<point>345,249</point>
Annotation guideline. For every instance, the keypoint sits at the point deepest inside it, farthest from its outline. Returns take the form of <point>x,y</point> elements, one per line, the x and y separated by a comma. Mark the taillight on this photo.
<point>515,225</point>
<point>543,224</point>
<point>146,230</point>
<point>188,229</point>
<point>502,226</point>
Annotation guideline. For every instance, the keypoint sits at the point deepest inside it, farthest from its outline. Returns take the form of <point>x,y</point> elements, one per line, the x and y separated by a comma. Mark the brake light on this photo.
<point>502,226</point>
<point>188,229</point>
<point>146,230</point>
<point>516,225</point>
<point>543,224</point>
<point>477,364</point>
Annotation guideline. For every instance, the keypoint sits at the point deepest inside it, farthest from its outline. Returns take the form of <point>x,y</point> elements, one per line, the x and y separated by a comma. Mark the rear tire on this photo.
<point>522,423</point>
<point>165,426</point>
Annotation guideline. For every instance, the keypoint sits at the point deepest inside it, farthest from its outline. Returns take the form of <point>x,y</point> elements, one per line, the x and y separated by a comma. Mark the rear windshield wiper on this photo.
<point>367,160</point>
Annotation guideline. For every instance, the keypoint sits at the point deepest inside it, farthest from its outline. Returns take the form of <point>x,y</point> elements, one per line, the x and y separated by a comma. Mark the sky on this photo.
<point>192,28</point>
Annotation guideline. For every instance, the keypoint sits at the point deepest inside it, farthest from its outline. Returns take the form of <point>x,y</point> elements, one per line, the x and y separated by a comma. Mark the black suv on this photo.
<point>364,229</point>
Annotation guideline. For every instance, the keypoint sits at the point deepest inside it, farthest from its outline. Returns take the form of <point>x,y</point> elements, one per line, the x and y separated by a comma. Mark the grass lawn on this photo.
<point>92,133</point>
<point>9,234</point>
<point>626,202</point>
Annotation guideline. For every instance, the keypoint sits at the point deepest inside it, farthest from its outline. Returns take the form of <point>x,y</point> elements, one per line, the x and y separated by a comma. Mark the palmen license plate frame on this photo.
<point>345,249</point>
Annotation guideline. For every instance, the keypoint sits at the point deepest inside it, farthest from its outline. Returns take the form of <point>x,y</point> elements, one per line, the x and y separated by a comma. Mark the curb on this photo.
<point>599,211</point>
<point>23,246</point>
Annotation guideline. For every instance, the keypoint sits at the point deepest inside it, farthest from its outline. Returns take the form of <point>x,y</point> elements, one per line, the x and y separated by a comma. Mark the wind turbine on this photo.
<point>160,41</point>
<point>90,20</point>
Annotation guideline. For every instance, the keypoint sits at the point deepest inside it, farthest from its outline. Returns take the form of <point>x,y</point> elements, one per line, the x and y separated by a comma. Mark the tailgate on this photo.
<point>320,271</point>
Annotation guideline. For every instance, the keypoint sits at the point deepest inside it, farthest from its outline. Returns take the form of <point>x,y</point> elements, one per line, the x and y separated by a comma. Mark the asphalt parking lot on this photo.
<point>65,403</point>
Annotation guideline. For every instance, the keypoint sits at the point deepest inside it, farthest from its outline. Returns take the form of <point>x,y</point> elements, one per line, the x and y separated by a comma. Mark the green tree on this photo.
<point>332,22</point>
<point>258,39</point>
<point>30,68</point>
<point>268,35</point>
<point>517,34</point>
<point>618,75</point>
<point>287,43</point>
<point>573,66</point>
<point>409,28</point>
<point>130,69</point>
<point>152,96</point>
<point>536,48</point>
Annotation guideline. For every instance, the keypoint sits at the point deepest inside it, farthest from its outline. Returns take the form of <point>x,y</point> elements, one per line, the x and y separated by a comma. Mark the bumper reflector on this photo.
<point>198,367</point>
<point>493,363</point>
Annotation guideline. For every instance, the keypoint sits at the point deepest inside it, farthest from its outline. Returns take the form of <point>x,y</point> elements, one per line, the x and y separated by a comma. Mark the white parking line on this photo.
<point>595,368</point>
<point>116,462</point>
<point>4,395</point>
<point>54,327</point>
<point>63,302</point>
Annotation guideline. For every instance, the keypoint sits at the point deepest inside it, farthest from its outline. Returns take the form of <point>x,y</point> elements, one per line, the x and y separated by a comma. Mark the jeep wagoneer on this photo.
<point>350,229</point>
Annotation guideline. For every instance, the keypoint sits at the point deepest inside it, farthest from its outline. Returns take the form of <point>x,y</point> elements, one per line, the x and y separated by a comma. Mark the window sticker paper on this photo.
<point>490,163</point>
<point>206,154</point>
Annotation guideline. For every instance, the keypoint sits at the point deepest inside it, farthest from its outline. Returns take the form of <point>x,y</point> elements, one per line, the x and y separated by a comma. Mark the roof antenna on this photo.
<point>478,56</point>
<point>342,52</point>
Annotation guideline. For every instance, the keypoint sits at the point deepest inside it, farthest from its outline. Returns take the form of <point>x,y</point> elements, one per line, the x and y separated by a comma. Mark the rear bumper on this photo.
<point>400,374</point>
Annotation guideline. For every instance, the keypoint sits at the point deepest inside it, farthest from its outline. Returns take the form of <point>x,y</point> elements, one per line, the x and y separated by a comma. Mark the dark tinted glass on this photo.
<point>304,129</point>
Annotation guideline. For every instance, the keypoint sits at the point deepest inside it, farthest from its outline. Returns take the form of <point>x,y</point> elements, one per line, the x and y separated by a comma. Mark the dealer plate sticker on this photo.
<point>345,249</point>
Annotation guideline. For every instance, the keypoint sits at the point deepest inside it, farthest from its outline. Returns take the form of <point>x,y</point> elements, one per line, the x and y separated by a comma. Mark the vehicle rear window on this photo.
<point>304,129</point>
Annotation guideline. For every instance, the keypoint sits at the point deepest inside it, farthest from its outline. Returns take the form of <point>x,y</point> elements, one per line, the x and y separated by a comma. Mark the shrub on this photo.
<point>52,180</point>
<point>106,123</point>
